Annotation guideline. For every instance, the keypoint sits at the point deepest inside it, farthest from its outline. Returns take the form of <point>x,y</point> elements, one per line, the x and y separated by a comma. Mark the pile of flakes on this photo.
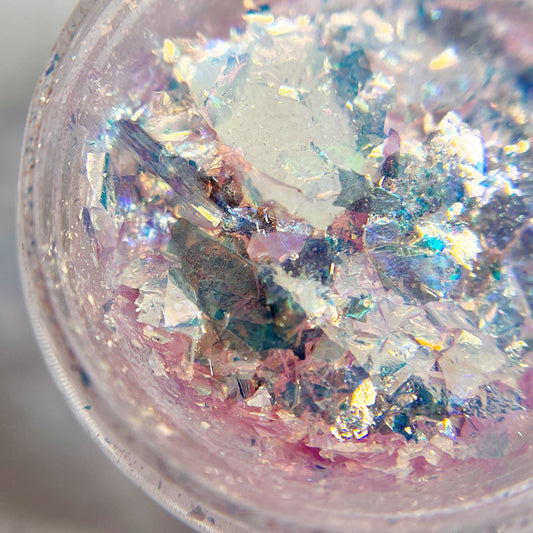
<point>307,232</point>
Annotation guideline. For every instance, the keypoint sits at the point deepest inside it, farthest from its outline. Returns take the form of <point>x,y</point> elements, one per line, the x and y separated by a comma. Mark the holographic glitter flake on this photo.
<point>325,222</point>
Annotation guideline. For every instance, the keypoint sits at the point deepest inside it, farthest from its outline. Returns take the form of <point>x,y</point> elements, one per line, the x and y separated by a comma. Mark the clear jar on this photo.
<point>212,478</point>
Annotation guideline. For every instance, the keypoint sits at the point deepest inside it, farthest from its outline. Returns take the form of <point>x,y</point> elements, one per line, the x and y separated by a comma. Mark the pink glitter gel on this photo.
<point>284,252</point>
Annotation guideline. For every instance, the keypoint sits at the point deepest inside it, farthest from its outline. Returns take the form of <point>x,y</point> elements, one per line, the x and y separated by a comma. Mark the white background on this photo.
<point>53,478</point>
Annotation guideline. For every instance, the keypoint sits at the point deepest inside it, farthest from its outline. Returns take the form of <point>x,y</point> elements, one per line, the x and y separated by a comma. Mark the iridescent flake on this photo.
<point>319,238</point>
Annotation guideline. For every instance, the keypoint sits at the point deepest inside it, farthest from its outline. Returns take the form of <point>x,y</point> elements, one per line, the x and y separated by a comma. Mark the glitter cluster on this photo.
<point>300,231</point>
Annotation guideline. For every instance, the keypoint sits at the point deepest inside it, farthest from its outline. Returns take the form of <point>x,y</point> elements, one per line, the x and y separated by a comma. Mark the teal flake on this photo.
<point>359,307</point>
<point>434,244</point>
<point>495,270</point>
<point>103,197</point>
<point>390,369</point>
